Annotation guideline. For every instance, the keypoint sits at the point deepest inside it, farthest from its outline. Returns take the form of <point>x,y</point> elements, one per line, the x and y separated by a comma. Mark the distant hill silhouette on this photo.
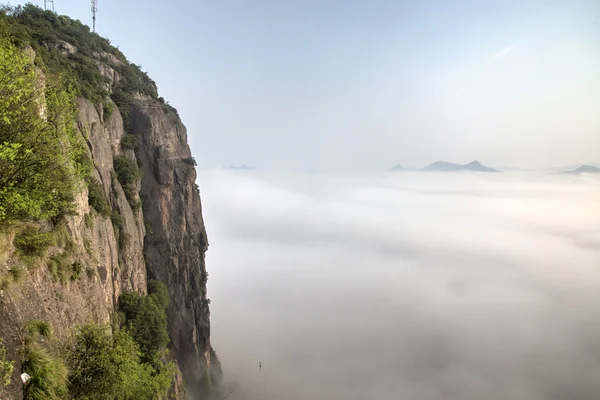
<point>240,167</point>
<point>584,169</point>
<point>397,168</point>
<point>444,166</point>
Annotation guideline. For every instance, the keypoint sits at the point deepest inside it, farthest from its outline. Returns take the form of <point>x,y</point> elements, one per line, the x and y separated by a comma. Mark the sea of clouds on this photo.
<point>421,286</point>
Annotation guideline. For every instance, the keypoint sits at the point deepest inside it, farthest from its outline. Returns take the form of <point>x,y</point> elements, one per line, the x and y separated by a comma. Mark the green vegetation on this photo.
<point>88,220</point>
<point>97,199</point>
<point>190,161</point>
<point>6,366</point>
<point>63,269</point>
<point>42,158</point>
<point>97,362</point>
<point>129,141</point>
<point>39,327</point>
<point>48,374</point>
<point>47,33</point>
<point>146,320</point>
<point>117,220</point>
<point>76,269</point>
<point>17,273</point>
<point>107,365</point>
<point>47,370</point>
<point>127,174</point>
<point>31,242</point>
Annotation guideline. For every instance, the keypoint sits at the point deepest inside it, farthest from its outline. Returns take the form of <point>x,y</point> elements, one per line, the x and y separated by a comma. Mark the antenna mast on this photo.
<point>94,11</point>
<point>46,2</point>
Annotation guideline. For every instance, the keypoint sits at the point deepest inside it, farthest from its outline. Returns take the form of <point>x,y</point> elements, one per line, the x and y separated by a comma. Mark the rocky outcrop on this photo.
<point>164,239</point>
<point>86,238</point>
<point>176,241</point>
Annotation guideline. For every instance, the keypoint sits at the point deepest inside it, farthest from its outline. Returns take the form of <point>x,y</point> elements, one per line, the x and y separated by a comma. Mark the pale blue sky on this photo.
<point>335,85</point>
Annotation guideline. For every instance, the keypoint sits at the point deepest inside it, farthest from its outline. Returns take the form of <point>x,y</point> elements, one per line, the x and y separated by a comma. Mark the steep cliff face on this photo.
<point>105,255</point>
<point>176,241</point>
<point>86,239</point>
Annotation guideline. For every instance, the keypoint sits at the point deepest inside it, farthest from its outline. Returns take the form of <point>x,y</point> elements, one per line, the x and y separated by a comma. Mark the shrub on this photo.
<point>146,320</point>
<point>190,161</point>
<point>30,242</point>
<point>39,327</point>
<point>59,267</point>
<point>117,220</point>
<point>107,366</point>
<point>128,172</point>
<point>107,109</point>
<point>126,169</point>
<point>159,293</point>
<point>76,269</point>
<point>97,199</point>
<point>129,141</point>
<point>17,273</point>
<point>89,221</point>
<point>48,374</point>
<point>6,367</point>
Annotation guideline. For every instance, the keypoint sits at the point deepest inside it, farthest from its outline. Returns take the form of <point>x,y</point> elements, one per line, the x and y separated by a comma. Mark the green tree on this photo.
<point>42,157</point>
<point>106,366</point>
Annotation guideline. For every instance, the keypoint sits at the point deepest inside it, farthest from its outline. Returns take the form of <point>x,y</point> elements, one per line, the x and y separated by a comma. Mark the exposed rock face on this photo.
<point>89,239</point>
<point>177,241</point>
<point>172,250</point>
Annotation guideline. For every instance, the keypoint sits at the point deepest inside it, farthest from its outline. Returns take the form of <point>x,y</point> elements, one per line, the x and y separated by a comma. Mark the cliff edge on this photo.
<point>134,217</point>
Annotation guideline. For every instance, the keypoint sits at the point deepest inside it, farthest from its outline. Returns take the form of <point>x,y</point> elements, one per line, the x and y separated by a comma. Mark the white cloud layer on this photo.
<point>408,286</point>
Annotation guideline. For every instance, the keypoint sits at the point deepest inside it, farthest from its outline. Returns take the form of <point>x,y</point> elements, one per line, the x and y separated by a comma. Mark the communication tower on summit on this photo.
<point>94,11</point>
<point>46,2</point>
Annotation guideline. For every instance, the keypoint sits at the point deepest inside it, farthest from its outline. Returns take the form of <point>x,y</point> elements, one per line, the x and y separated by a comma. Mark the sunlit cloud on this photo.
<point>406,286</point>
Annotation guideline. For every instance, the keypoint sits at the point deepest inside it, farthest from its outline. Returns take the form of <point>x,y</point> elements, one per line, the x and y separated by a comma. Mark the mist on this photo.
<point>406,286</point>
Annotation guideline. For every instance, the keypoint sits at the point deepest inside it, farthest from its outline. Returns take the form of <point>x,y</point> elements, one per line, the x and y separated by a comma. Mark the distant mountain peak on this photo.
<point>240,167</point>
<point>448,166</point>
<point>585,169</point>
<point>397,167</point>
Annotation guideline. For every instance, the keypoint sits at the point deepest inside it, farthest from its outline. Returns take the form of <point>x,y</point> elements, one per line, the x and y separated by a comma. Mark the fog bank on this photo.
<point>406,286</point>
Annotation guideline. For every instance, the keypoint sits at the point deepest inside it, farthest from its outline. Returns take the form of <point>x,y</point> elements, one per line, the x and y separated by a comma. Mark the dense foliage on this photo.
<point>31,242</point>
<point>42,158</point>
<point>46,32</point>
<point>128,173</point>
<point>106,365</point>
<point>97,199</point>
<point>146,319</point>
<point>98,362</point>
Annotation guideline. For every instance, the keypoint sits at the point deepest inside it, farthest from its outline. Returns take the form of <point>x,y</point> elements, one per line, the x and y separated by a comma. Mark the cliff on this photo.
<point>152,229</point>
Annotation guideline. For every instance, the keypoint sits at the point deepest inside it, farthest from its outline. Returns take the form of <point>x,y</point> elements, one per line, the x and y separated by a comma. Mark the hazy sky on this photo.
<point>329,85</point>
<point>410,286</point>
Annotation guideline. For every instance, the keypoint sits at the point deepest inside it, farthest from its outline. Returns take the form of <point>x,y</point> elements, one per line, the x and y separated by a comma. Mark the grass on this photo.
<point>87,245</point>
<point>89,221</point>
<point>76,269</point>
<point>49,374</point>
<point>17,273</point>
<point>6,366</point>
<point>38,326</point>
<point>59,267</point>
<point>32,243</point>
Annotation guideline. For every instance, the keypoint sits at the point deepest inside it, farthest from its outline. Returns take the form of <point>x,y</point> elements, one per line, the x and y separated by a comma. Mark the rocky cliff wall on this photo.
<point>163,239</point>
<point>176,241</point>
